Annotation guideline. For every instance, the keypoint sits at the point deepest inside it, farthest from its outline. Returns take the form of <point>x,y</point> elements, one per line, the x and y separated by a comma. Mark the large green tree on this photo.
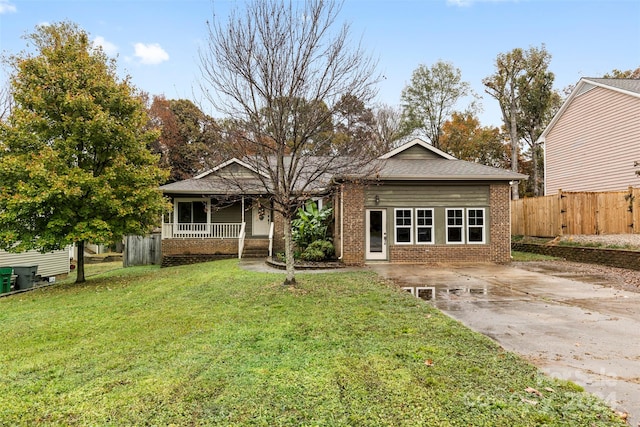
<point>431,97</point>
<point>74,162</point>
<point>517,74</point>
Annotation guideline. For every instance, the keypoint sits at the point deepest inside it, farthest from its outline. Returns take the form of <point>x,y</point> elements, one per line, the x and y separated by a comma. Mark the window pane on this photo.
<point>403,217</point>
<point>424,235</point>
<point>454,217</point>
<point>454,234</point>
<point>476,217</point>
<point>375,231</point>
<point>424,217</point>
<point>200,212</point>
<point>403,235</point>
<point>184,212</point>
<point>475,234</point>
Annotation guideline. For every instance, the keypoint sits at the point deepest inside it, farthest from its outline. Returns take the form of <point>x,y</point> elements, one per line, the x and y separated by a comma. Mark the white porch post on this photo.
<point>242,208</point>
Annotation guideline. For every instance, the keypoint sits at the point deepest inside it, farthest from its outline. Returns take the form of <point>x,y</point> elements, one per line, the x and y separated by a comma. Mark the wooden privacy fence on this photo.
<point>142,250</point>
<point>612,212</point>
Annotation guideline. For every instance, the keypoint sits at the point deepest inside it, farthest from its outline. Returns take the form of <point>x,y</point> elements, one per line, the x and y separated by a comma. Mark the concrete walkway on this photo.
<point>574,328</point>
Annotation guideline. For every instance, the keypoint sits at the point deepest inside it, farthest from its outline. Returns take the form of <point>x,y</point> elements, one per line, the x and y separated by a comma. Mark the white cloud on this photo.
<point>109,48</point>
<point>151,54</point>
<point>7,7</point>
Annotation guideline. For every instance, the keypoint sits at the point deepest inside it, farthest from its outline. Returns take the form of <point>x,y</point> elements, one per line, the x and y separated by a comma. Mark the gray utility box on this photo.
<point>26,276</point>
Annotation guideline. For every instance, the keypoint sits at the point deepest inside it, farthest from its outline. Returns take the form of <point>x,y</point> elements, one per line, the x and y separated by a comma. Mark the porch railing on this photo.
<point>201,230</point>
<point>241,237</point>
<point>271,229</point>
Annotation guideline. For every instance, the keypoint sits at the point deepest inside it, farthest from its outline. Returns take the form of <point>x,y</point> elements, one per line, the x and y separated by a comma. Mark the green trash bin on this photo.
<point>5,279</point>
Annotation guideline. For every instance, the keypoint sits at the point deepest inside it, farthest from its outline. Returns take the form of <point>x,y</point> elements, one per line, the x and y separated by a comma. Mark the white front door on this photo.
<point>260,218</point>
<point>376,234</point>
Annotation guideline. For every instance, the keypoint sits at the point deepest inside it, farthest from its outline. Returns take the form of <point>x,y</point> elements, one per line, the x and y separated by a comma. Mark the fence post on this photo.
<point>563,210</point>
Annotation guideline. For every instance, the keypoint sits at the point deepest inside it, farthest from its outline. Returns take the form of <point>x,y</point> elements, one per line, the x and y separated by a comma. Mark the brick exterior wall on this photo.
<point>610,257</point>
<point>191,251</point>
<point>500,201</point>
<point>354,224</point>
<point>199,247</point>
<point>498,249</point>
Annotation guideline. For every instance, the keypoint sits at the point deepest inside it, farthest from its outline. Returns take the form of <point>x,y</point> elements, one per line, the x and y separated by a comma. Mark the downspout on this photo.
<point>341,222</point>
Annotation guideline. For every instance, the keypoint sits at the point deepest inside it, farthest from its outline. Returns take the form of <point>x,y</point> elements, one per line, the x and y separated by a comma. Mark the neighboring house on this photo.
<point>593,141</point>
<point>49,264</point>
<point>423,206</point>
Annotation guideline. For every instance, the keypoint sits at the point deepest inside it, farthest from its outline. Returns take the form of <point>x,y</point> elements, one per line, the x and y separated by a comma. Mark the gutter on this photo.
<point>341,222</point>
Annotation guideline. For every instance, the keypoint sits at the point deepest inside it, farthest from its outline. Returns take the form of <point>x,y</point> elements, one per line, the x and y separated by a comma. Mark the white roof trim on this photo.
<point>227,163</point>
<point>576,90</point>
<point>417,141</point>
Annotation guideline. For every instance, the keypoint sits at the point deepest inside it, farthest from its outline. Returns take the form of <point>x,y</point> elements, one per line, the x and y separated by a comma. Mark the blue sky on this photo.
<point>157,41</point>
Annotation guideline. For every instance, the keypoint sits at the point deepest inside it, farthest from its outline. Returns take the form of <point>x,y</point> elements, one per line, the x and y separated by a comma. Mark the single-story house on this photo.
<point>591,144</point>
<point>421,206</point>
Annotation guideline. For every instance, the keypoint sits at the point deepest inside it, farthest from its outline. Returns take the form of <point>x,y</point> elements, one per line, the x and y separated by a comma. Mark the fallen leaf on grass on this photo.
<point>533,391</point>
<point>428,362</point>
<point>532,402</point>
<point>622,415</point>
<point>549,389</point>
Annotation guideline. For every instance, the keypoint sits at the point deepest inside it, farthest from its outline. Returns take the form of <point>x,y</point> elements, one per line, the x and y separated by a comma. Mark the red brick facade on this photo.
<point>199,247</point>
<point>353,222</point>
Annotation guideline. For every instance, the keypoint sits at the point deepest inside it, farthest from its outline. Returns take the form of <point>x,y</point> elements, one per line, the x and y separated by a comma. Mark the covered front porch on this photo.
<point>215,226</point>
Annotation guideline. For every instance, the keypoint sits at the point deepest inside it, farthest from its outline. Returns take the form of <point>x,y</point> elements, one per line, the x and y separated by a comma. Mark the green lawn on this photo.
<point>211,344</point>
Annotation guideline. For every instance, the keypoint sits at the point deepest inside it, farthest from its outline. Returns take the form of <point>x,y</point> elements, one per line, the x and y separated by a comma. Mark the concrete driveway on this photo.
<point>571,326</point>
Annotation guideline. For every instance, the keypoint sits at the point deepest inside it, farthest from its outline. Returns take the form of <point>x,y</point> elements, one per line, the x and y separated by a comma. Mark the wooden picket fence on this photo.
<point>612,212</point>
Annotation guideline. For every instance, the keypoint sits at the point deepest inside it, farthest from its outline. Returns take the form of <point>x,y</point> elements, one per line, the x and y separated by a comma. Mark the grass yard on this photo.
<point>211,344</point>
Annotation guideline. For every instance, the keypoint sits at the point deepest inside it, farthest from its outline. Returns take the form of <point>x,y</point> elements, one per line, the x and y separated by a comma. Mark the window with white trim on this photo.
<point>455,225</point>
<point>403,226</point>
<point>424,226</point>
<point>475,226</point>
<point>192,212</point>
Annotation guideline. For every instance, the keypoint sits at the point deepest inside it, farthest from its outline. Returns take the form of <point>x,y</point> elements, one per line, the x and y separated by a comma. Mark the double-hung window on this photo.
<point>455,225</point>
<point>403,226</point>
<point>475,226</point>
<point>424,226</point>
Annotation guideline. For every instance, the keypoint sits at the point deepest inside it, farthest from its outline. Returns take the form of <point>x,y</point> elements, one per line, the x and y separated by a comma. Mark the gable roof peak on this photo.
<point>419,142</point>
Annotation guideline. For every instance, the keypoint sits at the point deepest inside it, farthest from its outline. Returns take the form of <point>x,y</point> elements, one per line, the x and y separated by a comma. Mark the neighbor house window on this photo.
<point>403,226</point>
<point>475,226</point>
<point>424,226</point>
<point>455,225</point>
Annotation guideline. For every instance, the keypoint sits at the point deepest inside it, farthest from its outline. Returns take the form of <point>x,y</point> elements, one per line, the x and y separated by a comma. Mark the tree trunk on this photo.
<point>288,252</point>
<point>536,178</point>
<point>80,267</point>
<point>513,132</point>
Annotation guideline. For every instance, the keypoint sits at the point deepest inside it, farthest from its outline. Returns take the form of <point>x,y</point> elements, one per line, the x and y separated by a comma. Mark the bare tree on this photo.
<point>279,69</point>
<point>6,102</point>
<point>388,129</point>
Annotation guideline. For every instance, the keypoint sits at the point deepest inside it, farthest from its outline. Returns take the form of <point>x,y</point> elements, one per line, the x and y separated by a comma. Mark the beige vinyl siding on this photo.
<point>416,152</point>
<point>594,144</point>
<point>49,264</point>
<point>438,196</point>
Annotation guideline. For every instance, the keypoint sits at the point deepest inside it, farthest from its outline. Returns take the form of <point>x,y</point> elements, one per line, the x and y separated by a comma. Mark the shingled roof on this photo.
<point>404,163</point>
